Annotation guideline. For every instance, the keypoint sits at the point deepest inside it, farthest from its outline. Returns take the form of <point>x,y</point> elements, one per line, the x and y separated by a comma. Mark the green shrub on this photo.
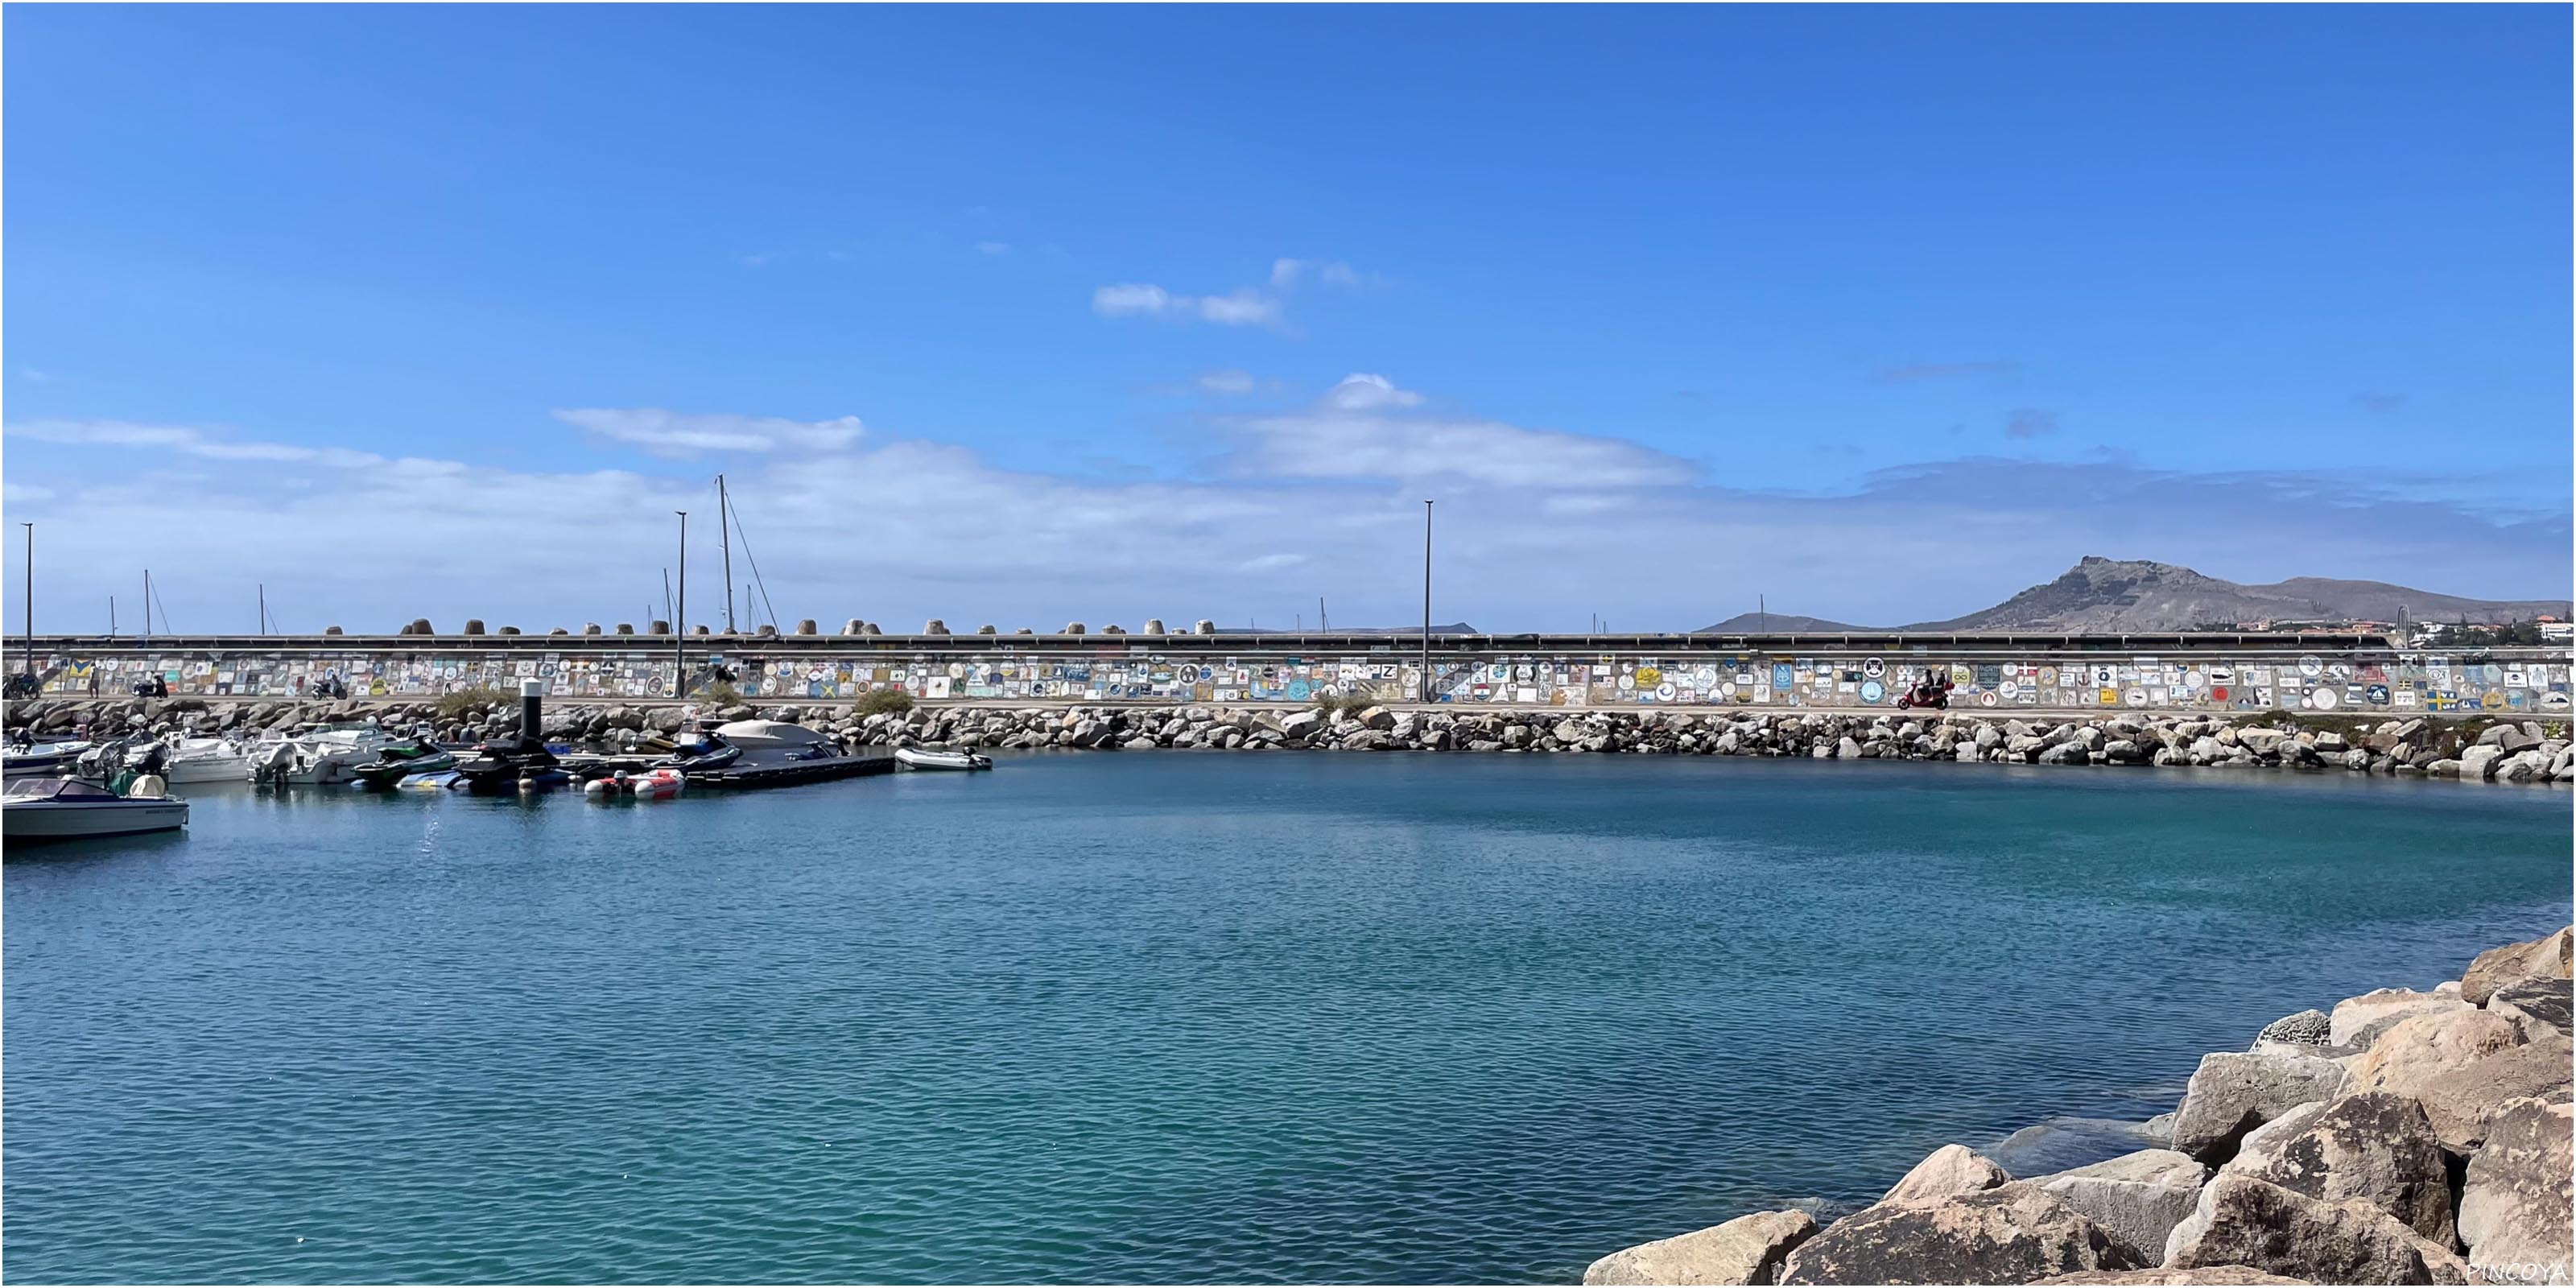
<point>1346,704</point>
<point>454,705</point>
<point>720,694</point>
<point>885,702</point>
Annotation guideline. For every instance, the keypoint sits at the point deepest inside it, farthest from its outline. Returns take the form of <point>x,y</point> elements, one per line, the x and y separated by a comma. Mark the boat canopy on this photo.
<point>769,733</point>
<point>49,789</point>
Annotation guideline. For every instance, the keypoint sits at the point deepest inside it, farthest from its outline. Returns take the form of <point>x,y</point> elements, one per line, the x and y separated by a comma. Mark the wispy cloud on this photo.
<point>2379,404</point>
<point>1367,428</point>
<point>2030,422</point>
<point>1917,372</point>
<point>1285,274</point>
<point>756,259</point>
<point>1227,382</point>
<point>994,247</point>
<point>681,434</point>
<point>1322,499</point>
<point>146,442</point>
<point>1243,307</point>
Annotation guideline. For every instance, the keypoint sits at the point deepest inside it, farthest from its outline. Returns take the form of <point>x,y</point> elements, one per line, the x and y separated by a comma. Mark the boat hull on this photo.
<point>35,821</point>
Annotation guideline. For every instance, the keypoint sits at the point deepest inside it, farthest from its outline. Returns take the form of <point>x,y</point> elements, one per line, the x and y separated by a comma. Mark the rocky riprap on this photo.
<point>2497,750</point>
<point>2398,1138</point>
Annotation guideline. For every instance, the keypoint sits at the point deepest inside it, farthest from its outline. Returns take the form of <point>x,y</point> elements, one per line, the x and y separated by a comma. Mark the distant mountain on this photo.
<point>2112,595</point>
<point>1773,623</point>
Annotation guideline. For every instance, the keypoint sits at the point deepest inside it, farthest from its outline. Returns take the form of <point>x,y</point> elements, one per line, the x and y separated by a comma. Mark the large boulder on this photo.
<point>2514,1206</point>
<point>2548,957</point>
<point>2377,1147</point>
<point>2241,1221</point>
<point>2137,1198</point>
<point>1947,1172</point>
<point>2358,1021</point>
<point>2003,1236</point>
<point>1746,1250</point>
<point>2168,1275</point>
<point>2462,1067</point>
<point>2234,1092</point>
<point>2536,1007</point>
<point>2464,1103</point>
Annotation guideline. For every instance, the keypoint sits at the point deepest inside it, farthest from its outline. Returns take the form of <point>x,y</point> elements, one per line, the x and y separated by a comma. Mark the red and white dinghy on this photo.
<point>652,785</point>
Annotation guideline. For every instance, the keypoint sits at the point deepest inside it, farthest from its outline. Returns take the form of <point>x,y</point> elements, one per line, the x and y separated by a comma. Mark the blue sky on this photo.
<point>1026,315</point>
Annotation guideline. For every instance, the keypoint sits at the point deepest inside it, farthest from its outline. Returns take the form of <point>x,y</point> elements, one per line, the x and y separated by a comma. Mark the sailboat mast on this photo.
<point>724,534</point>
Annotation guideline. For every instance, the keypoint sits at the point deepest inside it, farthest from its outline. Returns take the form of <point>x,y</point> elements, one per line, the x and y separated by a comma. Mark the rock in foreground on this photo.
<point>1746,1250</point>
<point>2004,1236</point>
<point>2241,1221</point>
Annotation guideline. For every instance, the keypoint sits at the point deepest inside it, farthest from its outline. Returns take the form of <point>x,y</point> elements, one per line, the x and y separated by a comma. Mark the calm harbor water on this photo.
<point>1161,1017</point>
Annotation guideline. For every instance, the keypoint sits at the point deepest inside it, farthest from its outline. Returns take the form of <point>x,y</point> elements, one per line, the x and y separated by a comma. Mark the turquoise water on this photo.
<point>1162,1017</point>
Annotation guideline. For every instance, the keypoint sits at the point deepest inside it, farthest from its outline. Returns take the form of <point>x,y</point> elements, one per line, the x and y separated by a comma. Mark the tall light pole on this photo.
<point>1426,601</point>
<point>680,623</point>
<point>31,596</point>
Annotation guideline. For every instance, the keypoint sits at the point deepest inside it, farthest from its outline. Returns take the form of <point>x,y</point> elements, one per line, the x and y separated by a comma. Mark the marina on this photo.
<point>1164,1018</point>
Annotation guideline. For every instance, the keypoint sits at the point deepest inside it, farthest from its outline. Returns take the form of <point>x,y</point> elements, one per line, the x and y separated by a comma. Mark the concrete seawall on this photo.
<point>2225,674</point>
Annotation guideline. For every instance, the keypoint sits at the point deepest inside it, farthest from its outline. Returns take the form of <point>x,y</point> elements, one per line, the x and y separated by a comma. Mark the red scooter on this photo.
<point>1932,691</point>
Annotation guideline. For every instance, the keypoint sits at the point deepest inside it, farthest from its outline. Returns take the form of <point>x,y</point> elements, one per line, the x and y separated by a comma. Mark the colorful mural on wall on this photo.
<point>2408,682</point>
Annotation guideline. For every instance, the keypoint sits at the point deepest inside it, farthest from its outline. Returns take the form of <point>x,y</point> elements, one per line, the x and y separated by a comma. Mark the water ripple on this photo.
<point>1160,1019</point>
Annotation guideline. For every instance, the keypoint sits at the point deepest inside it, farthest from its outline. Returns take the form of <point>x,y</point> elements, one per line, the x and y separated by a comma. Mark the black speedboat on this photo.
<point>523,763</point>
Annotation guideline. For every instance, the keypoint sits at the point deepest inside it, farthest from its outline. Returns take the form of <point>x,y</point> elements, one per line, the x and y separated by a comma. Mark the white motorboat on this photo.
<point>67,809</point>
<point>207,760</point>
<point>320,758</point>
<point>748,734</point>
<point>941,758</point>
<point>43,759</point>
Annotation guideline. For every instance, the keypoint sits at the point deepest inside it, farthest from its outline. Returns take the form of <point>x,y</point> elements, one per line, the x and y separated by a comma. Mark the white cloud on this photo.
<point>680,434</point>
<point>1537,528</point>
<point>1361,391</point>
<point>1243,307</point>
<point>148,442</point>
<point>1286,273</point>
<point>994,247</point>
<point>1366,428</point>
<point>1227,382</point>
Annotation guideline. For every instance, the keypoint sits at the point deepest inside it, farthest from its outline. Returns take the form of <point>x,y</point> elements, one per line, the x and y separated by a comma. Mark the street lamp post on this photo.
<point>680,623</point>
<point>1426,601</point>
<point>31,596</point>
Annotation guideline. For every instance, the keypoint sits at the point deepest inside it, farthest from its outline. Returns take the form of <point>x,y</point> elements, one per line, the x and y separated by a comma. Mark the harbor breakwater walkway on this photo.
<point>2216,673</point>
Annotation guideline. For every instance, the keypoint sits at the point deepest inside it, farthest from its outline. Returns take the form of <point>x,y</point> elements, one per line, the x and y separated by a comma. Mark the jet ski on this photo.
<point>401,760</point>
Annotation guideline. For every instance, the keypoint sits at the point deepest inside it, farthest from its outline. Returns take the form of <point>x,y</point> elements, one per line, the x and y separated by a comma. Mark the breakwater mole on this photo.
<point>2479,748</point>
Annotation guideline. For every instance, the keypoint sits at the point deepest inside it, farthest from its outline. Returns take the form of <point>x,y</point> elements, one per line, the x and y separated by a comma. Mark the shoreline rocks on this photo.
<point>2435,1150</point>
<point>2410,747</point>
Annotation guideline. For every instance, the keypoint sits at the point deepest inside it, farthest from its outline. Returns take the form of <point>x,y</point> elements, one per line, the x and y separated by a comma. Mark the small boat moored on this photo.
<point>398,761</point>
<point>941,758</point>
<point>67,809</point>
<point>42,759</point>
